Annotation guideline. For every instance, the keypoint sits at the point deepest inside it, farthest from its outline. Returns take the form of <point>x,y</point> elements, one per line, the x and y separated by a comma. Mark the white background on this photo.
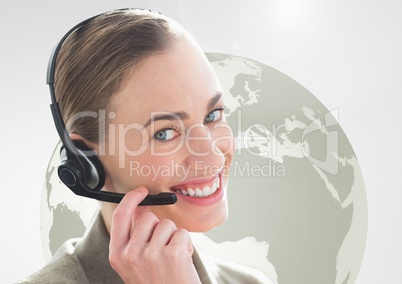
<point>347,53</point>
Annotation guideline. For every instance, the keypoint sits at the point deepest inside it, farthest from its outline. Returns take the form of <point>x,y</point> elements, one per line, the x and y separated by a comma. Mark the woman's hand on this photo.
<point>144,249</point>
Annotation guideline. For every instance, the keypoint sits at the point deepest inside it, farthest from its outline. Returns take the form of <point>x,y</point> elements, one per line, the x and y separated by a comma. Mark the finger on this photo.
<point>137,213</point>
<point>122,216</point>
<point>181,237</point>
<point>163,233</point>
<point>143,228</point>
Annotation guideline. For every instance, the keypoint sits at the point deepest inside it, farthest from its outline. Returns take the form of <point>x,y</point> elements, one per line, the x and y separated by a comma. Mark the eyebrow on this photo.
<point>214,100</point>
<point>168,116</point>
<point>181,115</point>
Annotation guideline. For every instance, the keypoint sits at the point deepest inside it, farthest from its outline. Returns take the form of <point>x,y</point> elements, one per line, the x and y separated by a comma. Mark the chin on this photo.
<point>202,226</point>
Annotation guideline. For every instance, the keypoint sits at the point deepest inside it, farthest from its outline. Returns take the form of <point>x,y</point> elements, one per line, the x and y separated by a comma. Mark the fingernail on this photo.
<point>141,189</point>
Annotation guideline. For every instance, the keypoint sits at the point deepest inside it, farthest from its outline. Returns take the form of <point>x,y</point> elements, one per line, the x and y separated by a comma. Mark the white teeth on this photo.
<point>190,191</point>
<point>198,192</point>
<point>201,192</point>
<point>207,191</point>
<point>214,187</point>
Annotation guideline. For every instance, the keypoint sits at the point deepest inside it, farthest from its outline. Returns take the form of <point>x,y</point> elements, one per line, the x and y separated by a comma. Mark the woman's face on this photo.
<point>167,131</point>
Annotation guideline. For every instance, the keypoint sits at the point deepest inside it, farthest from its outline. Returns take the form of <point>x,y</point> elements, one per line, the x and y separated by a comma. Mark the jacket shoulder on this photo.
<point>231,272</point>
<point>64,267</point>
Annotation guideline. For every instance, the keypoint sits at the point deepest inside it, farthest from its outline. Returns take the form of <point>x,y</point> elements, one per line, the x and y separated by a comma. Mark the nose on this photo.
<point>204,156</point>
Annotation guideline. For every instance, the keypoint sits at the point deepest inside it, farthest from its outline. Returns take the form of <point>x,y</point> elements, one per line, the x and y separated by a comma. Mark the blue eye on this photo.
<point>213,116</point>
<point>165,134</point>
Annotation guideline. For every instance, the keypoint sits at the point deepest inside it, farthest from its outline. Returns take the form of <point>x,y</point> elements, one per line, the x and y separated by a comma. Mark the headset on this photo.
<point>80,169</point>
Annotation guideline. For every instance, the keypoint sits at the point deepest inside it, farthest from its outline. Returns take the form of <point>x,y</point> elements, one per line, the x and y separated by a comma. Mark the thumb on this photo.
<point>140,192</point>
<point>125,213</point>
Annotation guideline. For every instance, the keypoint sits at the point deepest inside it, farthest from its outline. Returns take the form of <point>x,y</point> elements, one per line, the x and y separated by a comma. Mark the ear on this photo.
<point>90,145</point>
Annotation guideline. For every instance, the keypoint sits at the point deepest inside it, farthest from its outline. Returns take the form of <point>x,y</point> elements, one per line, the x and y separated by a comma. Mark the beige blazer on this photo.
<point>85,261</point>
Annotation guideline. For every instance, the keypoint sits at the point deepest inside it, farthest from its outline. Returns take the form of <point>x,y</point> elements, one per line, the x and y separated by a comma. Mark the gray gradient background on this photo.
<point>347,54</point>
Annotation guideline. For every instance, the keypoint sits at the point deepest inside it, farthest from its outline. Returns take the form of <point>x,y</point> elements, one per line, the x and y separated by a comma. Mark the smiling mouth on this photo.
<point>200,191</point>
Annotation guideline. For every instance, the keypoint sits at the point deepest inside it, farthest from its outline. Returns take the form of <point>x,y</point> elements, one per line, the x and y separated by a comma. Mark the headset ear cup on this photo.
<point>80,168</point>
<point>70,174</point>
<point>100,172</point>
<point>92,169</point>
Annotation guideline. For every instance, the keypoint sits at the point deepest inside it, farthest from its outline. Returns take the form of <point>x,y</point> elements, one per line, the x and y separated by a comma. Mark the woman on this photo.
<point>165,131</point>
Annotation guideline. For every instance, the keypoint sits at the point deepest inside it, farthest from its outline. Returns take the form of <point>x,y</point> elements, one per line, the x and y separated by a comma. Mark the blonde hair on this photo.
<point>96,58</point>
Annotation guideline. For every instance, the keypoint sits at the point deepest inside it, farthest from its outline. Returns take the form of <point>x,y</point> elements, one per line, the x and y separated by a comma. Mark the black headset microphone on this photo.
<point>80,169</point>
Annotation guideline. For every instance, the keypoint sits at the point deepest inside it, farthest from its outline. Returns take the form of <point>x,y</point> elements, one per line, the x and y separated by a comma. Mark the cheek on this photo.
<point>223,139</point>
<point>152,171</point>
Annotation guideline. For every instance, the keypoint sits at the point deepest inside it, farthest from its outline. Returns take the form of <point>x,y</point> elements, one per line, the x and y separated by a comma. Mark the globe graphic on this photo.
<point>297,201</point>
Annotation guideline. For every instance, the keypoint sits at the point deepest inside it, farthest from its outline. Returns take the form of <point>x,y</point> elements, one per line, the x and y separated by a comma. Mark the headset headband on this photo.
<point>80,168</point>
